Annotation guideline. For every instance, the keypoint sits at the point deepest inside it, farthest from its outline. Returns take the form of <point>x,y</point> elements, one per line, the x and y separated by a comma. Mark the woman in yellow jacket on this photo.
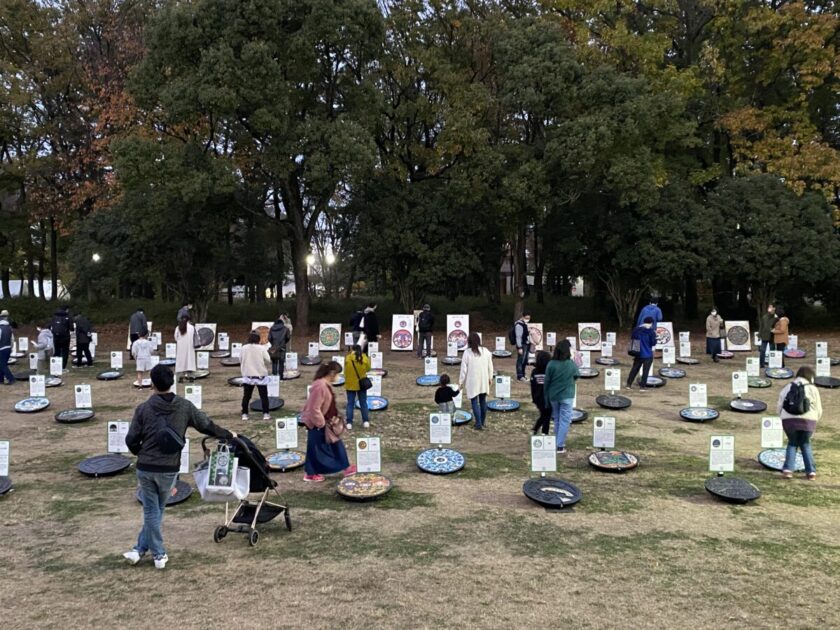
<point>356,367</point>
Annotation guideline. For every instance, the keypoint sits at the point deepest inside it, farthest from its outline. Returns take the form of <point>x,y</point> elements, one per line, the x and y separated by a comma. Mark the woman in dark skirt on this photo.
<point>325,452</point>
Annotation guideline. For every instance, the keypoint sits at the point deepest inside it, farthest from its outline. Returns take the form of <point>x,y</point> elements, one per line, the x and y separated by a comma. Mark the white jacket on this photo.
<point>476,372</point>
<point>45,344</point>
<point>254,360</point>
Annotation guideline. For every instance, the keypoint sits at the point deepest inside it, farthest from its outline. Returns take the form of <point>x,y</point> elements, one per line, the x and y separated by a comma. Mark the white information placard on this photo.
<point>459,397</point>
<point>603,432</point>
<point>185,458</point>
<point>793,342</point>
<point>543,454</point>
<point>772,432</point>
<point>235,350</point>
<point>116,360</point>
<point>340,360</point>
<point>430,366</point>
<point>402,333</point>
<point>55,366</point>
<point>37,385</point>
<point>117,430</point>
<point>171,350</point>
<point>697,396</point>
<point>33,361</point>
<point>291,361</point>
<point>224,341</point>
<point>500,344</point>
<point>823,366</point>
<point>606,349</point>
<point>376,384</point>
<point>451,349</point>
<point>550,339</point>
<point>92,349</point>
<point>274,385</point>
<point>368,458</point>
<point>502,386</point>
<point>822,349</point>
<point>740,385</point>
<point>286,433</point>
<point>585,358</point>
<point>23,344</point>
<point>669,355</point>
<point>440,428</point>
<point>774,358</point>
<point>458,329</point>
<point>193,394</point>
<point>572,342</point>
<point>612,338</point>
<point>664,335</point>
<point>5,457</point>
<point>685,349</point>
<point>83,396</point>
<point>312,349</point>
<point>685,336</point>
<point>753,366</point>
<point>589,334</point>
<point>737,335</point>
<point>375,360</point>
<point>348,339</point>
<point>612,379</point>
<point>156,339</point>
<point>722,453</point>
<point>756,339</point>
<point>202,360</point>
<point>155,359</point>
<point>373,346</point>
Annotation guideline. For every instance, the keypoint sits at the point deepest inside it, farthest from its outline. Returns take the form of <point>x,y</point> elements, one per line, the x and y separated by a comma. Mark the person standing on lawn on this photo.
<point>652,310</point>
<point>278,339</point>
<point>799,427</point>
<point>6,337</point>
<point>61,327</point>
<point>425,325</point>
<point>84,331</point>
<point>714,325</point>
<point>522,339</point>
<point>356,367</point>
<point>765,332</point>
<point>476,378</point>
<point>136,324</point>
<point>255,363</point>
<point>185,347</point>
<point>559,389</point>
<point>644,340</point>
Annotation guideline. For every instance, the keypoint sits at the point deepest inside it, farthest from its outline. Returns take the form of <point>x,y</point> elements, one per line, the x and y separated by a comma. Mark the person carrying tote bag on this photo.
<point>356,384</point>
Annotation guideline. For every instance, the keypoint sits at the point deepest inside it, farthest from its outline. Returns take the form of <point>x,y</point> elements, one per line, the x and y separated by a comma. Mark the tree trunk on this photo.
<point>539,267</point>
<point>518,269</point>
<point>351,278</point>
<point>30,273</point>
<point>625,299</point>
<point>299,253</point>
<point>6,283</point>
<point>54,258</point>
<point>230,292</point>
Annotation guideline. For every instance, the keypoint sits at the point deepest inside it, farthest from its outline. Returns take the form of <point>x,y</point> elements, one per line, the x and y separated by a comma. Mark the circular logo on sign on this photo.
<point>767,423</point>
<point>538,443</point>
<point>402,324</point>
<point>599,423</point>
<point>457,324</point>
<point>435,419</point>
<point>362,445</point>
<point>281,425</point>
<point>716,443</point>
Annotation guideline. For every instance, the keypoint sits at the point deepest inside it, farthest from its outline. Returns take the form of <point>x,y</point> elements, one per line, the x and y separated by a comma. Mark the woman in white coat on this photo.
<point>476,377</point>
<point>185,350</point>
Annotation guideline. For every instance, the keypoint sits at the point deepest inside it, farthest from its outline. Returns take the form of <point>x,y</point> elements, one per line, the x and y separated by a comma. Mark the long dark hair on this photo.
<point>182,325</point>
<point>474,343</point>
<point>563,351</point>
<point>357,350</point>
<point>541,362</point>
<point>807,373</point>
<point>253,337</point>
<point>325,369</point>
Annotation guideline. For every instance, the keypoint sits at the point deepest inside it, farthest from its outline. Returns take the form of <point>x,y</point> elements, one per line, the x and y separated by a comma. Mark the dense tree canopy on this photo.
<point>420,147</point>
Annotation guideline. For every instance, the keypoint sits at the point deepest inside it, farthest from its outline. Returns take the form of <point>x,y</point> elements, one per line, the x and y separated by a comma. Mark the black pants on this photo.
<point>248,390</point>
<point>638,363</point>
<point>83,348</point>
<point>543,423</point>
<point>278,365</point>
<point>134,337</point>
<point>62,349</point>
<point>424,347</point>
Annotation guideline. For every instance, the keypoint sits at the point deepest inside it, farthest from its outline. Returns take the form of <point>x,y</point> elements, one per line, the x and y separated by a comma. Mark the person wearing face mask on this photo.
<point>645,335</point>
<point>522,338</point>
<point>714,324</point>
<point>765,332</point>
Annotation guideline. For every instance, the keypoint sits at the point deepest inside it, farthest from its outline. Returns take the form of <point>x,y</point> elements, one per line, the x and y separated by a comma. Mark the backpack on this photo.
<point>512,334</point>
<point>796,402</point>
<point>356,320</point>
<point>59,328</point>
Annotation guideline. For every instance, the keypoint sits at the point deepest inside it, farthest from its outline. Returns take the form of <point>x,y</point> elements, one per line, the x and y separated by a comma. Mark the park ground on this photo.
<point>647,549</point>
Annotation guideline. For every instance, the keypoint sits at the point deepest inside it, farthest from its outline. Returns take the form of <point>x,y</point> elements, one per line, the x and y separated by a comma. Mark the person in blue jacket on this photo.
<point>642,355</point>
<point>651,310</point>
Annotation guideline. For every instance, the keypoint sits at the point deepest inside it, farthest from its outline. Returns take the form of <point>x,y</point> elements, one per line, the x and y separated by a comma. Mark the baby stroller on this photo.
<point>248,514</point>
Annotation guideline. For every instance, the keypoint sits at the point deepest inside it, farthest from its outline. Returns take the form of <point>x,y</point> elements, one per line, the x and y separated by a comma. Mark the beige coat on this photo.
<point>714,324</point>
<point>476,372</point>
<point>781,330</point>
<point>254,361</point>
<point>813,395</point>
<point>185,352</point>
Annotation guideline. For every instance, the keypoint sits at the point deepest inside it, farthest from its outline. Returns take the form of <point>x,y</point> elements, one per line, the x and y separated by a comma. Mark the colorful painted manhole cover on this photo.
<point>440,461</point>
<point>428,380</point>
<point>699,414</point>
<point>290,375</point>
<point>732,489</point>
<point>758,382</point>
<point>747,405</point>
<point>725,354</point>
<point>590,337</point>
<point>613,401</point>
<point>402,340</point>
<point>588,372</point>
<point>654,381</point>
<point>663,336</point>
<point>779,373</point>
<point>72,416</point>
<point>551,493</point>
<point>205,337</point>
<point>607,361</point>
<point>236,381</point>
<point>503,405</point>
<point>774,459</point>
<point>688,360</point>
<point>578,415</point>
<point>170,362</point>
<point>274,403</point>
<point>459,337</point>
<point>374,403</point>
<point>307,360</point>
<point>613,461</point>
<point>669,372</point>
<point>104,465</point>
<point>461,417</point>
<point>795,353</point>
<point>183,491</point>
<point>502,354</point>
<point>377,372</point>
<point>738,336</point>
<point>52,381</point>
<point>364,486</point>
<point>283,461</point>
<point>33,404</point>
<point>330,337</point>
<point>109,375</point>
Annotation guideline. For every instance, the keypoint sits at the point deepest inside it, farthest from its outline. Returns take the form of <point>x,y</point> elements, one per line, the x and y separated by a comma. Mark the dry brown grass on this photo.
<point>646,549</point>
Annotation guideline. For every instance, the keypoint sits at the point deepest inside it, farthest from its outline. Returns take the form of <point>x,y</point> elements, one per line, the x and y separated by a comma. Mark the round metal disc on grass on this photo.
<point>578,415</point>
<point>747,405</point>
<point>283,461</point>
<point>307,360</point>
<point>654,381</point>
<point>451,360</point>
<point>290,375</point>
<point>795,353</point>
<point>274,403</point>
<point>757,382</point>
<point>725,355</point>
<point>688,360</point>
<point>364,486</point>
<point>551,493</point>
<point>502,354</point>
<point>378,372</point>
<point>219,354</point>
<point>73,416</point>
<point>5,485</point>
<point>588,372</point>
<point>461,417</point>
<point>167,362</point>
<point>440,461</point>
<point>778,373</point>
<point>774,459</point>
<point>104,465</point>
<point>669,372</point>
<point>109,375</point>
<point>230,362</point>
<point>732,489</point>
<point>607,361</point>
<point>613,461</point>
<point>613,401</point>
<point>699,414</point>
<point>827,381</point>
<point>428,380</point>
<point>33,404</point>
<point>183,491</point>
<point>502,406</point>
<point>197,375</point>
<point>374,403</point>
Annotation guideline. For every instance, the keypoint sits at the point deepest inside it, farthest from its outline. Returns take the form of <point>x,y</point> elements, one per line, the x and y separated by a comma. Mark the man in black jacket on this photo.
<point>83,339</point>
<point>425,325</point>
<point>136,324</point>
<point>278,339</point>
<point>157,468</point>
<point>6,347</point>
<point>61,327</point>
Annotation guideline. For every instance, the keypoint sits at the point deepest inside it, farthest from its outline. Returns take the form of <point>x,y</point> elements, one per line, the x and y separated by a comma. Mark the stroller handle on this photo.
<point>206,450</point>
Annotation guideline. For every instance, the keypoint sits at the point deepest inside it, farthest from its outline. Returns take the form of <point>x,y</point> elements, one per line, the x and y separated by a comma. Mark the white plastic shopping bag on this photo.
<point>221,479</point>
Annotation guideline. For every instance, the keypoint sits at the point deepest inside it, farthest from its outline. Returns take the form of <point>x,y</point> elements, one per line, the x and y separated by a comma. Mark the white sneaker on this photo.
<point>132,556</point>
<point>160,563</point>
<point>244,417</point>
<point>137,384</point>
<point>366,425</point>
<point>349,427</point>
<point>266,417</point>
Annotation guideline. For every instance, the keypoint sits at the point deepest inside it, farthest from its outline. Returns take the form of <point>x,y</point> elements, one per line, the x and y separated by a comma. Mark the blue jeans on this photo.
<point>802,441</point>
<point>5,372</point>
<point>351,404</point>
<point>762,353</point>
<point>522,360</point>
<point>479,409</point>
<point>561,411</point>
<point>155,488</point>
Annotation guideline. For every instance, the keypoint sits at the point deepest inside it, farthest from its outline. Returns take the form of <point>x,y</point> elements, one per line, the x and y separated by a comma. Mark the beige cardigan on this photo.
<point>254,360</point>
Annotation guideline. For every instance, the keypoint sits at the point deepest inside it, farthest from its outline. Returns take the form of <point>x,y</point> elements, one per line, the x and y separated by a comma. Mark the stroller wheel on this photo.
<point>220,532</point>
<point>254,538</point>
<point>288,518</point>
